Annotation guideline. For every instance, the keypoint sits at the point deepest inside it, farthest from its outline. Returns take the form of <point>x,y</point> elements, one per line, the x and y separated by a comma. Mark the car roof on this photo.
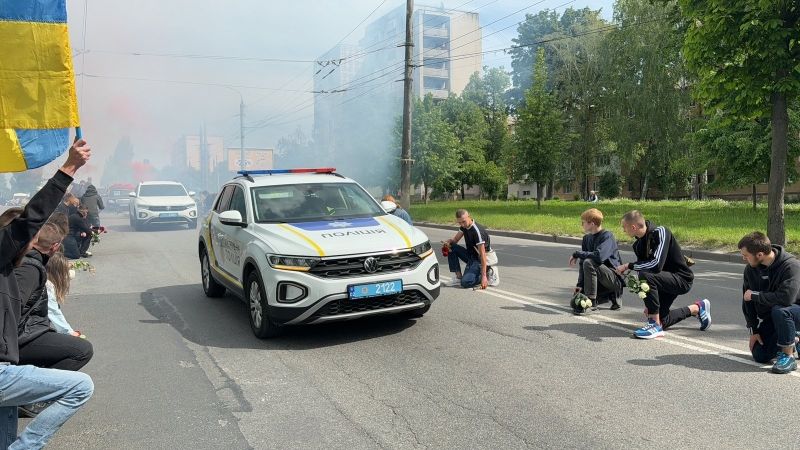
<point>292,178</point>
<point>160,182</point>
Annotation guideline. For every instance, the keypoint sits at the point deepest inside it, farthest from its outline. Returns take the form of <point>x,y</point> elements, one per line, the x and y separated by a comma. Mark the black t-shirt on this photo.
<point>473,236</point>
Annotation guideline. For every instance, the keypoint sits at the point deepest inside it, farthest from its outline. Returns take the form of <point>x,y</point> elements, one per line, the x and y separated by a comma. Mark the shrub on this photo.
<point>576,197</point>
<point>610,184</point>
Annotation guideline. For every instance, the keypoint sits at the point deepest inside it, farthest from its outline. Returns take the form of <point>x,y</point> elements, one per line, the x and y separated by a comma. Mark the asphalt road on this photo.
<point>509,367</point>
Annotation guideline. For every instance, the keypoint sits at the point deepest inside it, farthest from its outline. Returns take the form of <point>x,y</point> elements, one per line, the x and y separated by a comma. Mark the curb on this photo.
<point>733,257</point>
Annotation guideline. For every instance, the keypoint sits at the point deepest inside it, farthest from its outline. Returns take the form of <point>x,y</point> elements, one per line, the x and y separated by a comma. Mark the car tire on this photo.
<point>130,219</point>
<point>211,288</point>
<point>263,327</point>
<point>192,224</point>
<point>138,225</point>
<point>417,313</point>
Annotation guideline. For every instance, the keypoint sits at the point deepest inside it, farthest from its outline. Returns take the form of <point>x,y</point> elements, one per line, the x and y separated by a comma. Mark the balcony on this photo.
<point>438,93</point>
<point>434,72</point>
<point>435,32</point>
<point>431,53</point>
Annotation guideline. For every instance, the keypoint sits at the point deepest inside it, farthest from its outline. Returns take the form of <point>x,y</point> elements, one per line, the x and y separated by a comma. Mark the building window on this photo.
<point>712,177</point>
<point>568,189</point>
<point>526,192</point>
<point>630,185</point>
<point>594,186</point>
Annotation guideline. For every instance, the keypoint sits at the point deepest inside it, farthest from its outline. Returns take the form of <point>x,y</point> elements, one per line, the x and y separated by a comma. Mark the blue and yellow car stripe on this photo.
<point>306,238</point>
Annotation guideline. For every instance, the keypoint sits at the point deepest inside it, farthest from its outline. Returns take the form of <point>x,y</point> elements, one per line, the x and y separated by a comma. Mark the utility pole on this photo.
<point>405,158</point>
<point>241,133</point>
<point>201,150</point>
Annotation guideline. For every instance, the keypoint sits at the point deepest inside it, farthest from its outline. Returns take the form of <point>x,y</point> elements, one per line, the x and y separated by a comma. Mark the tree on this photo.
<point>745,57</point>
<point>27,182</point>
<point>295,150</point>
<point>118,166</point>
<point>577,66</point>
<point>541,134</point>
<point>434,147</point>
<point>488,93</point>
<point>610,184</point>
<point>646,96</point>
<point>467,123</point>
<point>740,151</point>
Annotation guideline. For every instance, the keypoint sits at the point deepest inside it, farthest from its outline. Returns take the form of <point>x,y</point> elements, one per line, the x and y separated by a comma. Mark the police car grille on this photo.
<point>347,306</point>
<point>164,208</point>
<point>354,267</point>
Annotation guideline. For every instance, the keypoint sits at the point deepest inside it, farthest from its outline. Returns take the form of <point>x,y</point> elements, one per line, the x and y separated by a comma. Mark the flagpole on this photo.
<point>78,134</point>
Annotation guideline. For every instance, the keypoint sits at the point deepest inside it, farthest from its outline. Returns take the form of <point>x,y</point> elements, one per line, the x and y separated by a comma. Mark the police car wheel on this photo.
<point>263,327</point>
<point>417,313</point>
<point>211,288</point>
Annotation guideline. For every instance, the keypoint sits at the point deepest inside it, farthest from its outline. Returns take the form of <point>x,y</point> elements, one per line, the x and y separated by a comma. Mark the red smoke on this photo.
<point>142,171</point>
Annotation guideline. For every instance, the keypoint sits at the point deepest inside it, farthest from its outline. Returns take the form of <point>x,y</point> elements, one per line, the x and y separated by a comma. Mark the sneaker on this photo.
<point>32,410</point>
<point>452,282</point>
<point>704,316</point>
<point>494,276</point>
<point>650,331</point>
<point>784,364</point>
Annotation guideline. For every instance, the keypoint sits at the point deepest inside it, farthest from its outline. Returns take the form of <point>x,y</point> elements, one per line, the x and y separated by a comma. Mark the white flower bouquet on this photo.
<point>640,288</point>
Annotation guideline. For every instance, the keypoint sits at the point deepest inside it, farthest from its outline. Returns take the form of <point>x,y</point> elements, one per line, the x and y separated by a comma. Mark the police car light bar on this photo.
<point>277,171</point>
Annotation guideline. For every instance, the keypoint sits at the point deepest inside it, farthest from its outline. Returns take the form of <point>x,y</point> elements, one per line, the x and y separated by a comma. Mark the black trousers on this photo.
<point>57,351</point>
<point>75,246</point>
<point>665,287</point>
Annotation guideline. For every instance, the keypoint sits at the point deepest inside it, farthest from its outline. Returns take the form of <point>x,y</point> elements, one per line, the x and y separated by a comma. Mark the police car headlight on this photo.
<point>423,250</point>
<point>291,263</point>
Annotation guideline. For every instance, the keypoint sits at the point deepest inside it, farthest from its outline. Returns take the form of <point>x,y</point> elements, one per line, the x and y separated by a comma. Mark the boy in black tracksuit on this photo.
<point>597,259</point>
<point>660,262</point>
<point>771,295</point>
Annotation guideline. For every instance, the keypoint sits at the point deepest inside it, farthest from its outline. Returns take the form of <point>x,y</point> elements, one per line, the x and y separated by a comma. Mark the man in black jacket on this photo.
<point>771,294</point>
<point>597,258</point>
<point>22,385</point>
<point>660,262</point>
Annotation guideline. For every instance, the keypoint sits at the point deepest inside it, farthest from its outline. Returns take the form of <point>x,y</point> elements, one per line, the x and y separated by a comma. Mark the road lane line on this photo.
<point>689,344</point>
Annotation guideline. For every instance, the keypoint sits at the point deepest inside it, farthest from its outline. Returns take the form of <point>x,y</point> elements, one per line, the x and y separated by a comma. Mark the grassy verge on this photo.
<point>710,225</point>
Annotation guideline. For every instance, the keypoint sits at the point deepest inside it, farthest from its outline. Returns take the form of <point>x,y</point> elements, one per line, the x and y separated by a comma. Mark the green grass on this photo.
<point>709,225</point>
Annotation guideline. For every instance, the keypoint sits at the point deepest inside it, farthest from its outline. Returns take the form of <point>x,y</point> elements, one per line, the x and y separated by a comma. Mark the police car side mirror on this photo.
<point>233,218</point>
<point>132,194</point>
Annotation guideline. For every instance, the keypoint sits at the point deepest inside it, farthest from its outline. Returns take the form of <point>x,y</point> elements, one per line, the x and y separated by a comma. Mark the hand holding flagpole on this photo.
<point>79,154</point>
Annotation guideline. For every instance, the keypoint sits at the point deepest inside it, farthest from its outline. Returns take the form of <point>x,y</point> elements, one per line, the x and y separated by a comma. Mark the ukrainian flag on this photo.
<point>38,104</point>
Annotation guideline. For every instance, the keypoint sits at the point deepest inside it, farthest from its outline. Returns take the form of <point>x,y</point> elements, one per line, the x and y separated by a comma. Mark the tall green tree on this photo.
<point>541,135</point>
<point>488,92</point>
<point>434,148</point>
<point>467,123</point>
<point>577,67</point>
<point>740,152</point>
<point>646,97</point>
<point>745,56</point>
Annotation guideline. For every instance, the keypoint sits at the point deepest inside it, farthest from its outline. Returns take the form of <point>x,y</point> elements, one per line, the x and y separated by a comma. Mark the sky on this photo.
<point>158,70</point>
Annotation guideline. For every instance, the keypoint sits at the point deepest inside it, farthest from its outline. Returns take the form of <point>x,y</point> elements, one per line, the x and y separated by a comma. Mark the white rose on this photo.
<point>71,273</point>
<point>642,294</point>
<point>644,286</point>
<point>586,303</point>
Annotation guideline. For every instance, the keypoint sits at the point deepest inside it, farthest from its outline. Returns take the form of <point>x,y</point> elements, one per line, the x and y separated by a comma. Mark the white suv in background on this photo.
<point>307,246</point>
<point>162,202</point>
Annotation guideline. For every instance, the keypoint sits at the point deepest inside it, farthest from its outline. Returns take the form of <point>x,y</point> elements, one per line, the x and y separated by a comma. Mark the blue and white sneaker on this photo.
<point>784,364</point>
<point>704,316</point>
<point>650,331</point>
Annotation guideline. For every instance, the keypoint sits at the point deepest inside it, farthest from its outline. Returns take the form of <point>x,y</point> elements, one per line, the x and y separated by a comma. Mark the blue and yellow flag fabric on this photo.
<point>38,104</point>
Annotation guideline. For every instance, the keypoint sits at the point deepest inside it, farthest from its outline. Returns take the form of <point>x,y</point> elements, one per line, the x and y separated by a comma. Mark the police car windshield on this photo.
<point>162,190</point>
<point>312,202</point>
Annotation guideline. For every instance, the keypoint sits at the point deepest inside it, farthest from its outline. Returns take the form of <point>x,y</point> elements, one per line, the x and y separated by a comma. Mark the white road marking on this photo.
<point>697,345</point>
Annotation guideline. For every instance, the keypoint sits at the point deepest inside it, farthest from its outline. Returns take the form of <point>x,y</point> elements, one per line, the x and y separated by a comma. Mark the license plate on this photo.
<point>168,215</point>
<point>375,289</point>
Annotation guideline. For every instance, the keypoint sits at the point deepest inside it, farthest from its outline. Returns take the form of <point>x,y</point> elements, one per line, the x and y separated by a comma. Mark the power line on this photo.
<point>88,75</point>
<point>197,56</point>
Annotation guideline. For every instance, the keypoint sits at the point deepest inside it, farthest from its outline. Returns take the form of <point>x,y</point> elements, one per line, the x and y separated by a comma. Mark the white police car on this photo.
<point>306,246</point>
